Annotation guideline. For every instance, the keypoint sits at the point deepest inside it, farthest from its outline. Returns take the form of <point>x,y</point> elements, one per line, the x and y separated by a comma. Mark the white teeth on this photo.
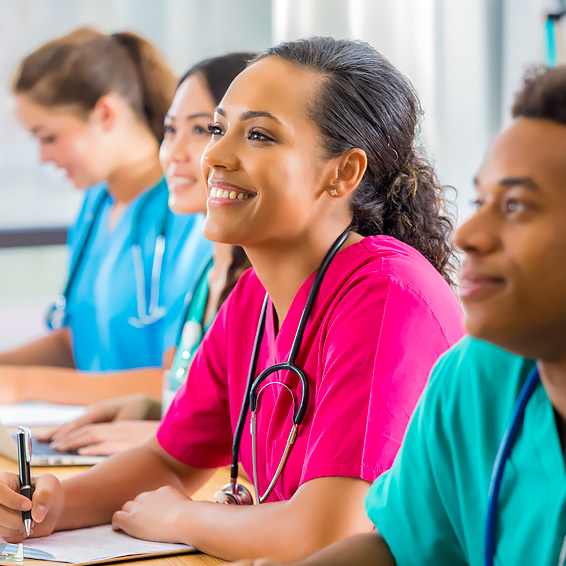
<point>216,192</point>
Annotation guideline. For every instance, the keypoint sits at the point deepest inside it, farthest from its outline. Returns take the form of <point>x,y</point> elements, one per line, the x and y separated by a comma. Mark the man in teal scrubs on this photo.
<point>431,507</point>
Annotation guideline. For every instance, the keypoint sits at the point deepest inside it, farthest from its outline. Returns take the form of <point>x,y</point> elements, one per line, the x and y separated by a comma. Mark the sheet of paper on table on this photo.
<point>36,413</point>
<point>100,544</point>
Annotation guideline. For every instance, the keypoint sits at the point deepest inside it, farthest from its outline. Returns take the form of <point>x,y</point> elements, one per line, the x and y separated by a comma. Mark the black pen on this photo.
<point>24,459</point>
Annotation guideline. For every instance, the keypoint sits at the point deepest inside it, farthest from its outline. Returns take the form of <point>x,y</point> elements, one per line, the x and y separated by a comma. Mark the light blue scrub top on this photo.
<point>104,294</point>
<point>431,506</point>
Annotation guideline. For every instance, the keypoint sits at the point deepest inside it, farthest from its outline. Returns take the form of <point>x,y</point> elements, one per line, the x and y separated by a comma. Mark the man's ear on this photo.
<point>346,172</point>
<point>105,112</point>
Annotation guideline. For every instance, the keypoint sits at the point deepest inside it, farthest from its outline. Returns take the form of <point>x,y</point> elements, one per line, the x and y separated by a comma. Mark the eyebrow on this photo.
<point>36,129</point>
<point>192,116</point>
<point>526,182</point>
<point>250,114</point>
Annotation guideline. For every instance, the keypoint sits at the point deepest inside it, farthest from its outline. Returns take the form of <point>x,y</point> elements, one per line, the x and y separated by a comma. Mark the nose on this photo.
<point>221,154</point>
<point>45,155</point>
<point>480,233</point>
<point>176,149</point>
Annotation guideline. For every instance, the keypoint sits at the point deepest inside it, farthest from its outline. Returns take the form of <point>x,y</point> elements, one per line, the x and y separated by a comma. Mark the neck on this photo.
<point>553,377</point>
<point>222,254</point>
<point>283,268</point>
<point>138,169</point>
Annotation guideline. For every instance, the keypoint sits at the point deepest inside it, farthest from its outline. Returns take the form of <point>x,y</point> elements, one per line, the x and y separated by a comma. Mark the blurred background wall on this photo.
<point>465,59</point>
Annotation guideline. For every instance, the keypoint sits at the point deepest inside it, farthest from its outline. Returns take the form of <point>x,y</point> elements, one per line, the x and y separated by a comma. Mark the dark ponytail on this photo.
<point>364,102</point>
<point>84,65</point>
<point>240,263</point>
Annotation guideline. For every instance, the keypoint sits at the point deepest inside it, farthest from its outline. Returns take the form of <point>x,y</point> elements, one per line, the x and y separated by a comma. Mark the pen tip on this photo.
<point>27,524</point>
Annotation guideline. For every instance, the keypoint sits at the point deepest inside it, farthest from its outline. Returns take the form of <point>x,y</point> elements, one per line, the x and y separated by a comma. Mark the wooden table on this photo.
<point>206,492</point>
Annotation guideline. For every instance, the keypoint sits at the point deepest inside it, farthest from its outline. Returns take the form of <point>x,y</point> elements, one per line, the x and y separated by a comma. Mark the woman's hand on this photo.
<point>46,506</point>
<point>137,517</point>
<point>106,438</point>
<point>129,407</point>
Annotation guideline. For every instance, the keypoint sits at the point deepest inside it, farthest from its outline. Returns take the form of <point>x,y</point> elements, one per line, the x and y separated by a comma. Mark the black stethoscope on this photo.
<point>234,493</point>
<point>57,315</point>
<point>501,459</point>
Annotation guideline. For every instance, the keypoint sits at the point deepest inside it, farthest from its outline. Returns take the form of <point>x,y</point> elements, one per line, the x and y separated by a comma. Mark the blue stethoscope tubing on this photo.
<point>57,314</point>
<point>501,459</point>
<point>252,389</point>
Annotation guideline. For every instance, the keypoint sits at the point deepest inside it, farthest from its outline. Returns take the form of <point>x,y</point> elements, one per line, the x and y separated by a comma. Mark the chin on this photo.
<point>214,234</point>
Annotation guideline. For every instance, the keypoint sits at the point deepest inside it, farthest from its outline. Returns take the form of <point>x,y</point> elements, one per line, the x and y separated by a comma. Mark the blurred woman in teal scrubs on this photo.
<point>96,104</point>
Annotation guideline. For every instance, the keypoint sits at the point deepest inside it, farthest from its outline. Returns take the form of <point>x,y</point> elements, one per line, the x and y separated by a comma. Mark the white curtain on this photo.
<point>465,59</point>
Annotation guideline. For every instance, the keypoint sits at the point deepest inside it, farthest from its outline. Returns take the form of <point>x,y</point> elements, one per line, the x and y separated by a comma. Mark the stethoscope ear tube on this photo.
<point>299,414</point>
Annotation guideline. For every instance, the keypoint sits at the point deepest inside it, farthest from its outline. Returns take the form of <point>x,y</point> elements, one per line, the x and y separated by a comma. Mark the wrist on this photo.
<point>182,522</point>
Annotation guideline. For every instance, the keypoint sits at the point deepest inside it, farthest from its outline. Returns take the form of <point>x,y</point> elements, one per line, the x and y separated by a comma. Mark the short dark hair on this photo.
<point>219,72</point>
<point>543,94</point>
<point>364,102</point>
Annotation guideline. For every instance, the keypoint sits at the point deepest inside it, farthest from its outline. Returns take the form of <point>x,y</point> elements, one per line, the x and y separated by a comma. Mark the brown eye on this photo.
<point>258,136</point>
<point>215,130</point>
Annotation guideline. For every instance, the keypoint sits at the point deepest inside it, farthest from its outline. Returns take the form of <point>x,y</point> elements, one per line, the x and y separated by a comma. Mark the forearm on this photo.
<point>65,385</point>
<point>286,530</point>
<point>54,349</point>
<point>359,550</point>
<point>93,496</point>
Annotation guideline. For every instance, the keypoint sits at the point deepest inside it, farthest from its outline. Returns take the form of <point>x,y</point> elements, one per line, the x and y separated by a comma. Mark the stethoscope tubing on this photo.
<point>56,316</point>
<point>501,459</point>
<point>189,300</point>
<point>252,388</point>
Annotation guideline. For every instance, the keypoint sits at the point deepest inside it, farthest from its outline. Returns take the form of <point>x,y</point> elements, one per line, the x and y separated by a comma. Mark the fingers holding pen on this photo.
<point>11,506</point>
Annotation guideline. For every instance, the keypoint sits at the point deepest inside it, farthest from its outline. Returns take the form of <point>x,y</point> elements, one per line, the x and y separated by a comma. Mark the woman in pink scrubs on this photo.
<point>315,136</point>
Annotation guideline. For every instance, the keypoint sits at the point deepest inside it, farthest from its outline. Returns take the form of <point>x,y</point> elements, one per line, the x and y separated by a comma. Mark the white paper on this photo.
<point>36,413</point>
<point>98,543</point>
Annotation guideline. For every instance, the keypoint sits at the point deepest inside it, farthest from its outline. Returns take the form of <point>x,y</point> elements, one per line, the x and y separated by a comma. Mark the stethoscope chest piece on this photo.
<point>234,494</point>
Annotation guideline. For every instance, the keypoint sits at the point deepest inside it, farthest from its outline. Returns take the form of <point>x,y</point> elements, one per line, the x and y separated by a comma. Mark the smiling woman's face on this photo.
<point>264,165</point>
<point>77,145</point>
<point>186,135</point>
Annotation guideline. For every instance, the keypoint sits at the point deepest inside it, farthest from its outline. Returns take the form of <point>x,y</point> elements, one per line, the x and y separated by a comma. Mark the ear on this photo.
<point>105,112</point>
<point>346,172</point>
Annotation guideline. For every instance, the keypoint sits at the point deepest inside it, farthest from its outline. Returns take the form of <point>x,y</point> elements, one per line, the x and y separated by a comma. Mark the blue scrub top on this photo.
<point>103,297</point>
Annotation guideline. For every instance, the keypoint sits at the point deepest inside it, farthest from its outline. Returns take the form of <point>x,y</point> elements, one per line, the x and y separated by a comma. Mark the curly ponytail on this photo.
<point>364,102</point>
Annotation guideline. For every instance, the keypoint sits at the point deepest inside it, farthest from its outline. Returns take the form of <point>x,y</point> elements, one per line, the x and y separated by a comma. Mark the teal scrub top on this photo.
<point>431,506</point>
<point>193,330</point>
<point>103,296</point>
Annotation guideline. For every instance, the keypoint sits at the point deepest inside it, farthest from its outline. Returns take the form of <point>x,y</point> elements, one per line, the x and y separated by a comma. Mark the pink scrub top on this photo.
<point>381,319</point>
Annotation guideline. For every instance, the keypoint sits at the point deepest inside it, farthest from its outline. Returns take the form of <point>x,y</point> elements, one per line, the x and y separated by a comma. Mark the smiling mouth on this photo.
<point>180,183</point>
<point>478,287</point>
<point>229,194</point>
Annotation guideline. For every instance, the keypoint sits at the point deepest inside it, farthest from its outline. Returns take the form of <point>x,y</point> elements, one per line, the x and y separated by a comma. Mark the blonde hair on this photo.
<point>84,65</point>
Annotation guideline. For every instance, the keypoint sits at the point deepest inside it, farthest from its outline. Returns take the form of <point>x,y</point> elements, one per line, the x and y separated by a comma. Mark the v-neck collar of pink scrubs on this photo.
<point>279,343</point>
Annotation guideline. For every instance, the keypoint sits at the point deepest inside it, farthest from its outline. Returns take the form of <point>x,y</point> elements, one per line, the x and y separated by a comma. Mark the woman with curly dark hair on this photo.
<point>312,150</point>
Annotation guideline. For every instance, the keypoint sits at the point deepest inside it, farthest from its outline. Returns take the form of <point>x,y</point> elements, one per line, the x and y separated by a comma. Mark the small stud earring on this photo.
<point>334,192</point>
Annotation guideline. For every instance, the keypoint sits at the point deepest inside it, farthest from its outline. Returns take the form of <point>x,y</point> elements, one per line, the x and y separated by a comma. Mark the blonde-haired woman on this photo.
<point>96,104</point>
